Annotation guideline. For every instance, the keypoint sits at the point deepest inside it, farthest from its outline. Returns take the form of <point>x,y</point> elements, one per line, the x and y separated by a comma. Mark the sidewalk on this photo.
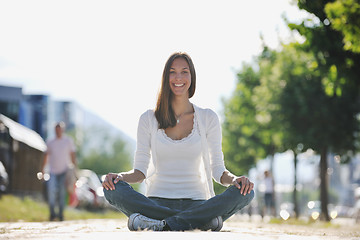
<point>116,229</point>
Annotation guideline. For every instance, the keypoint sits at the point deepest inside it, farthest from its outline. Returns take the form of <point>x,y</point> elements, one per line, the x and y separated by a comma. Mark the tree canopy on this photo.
<point>305,93</point>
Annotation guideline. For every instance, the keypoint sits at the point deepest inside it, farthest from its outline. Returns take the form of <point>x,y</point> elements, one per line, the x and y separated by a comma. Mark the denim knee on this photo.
<point>250,196</point>
<point>116,193</point>
<point>107,194</point>
<point>241,197</point>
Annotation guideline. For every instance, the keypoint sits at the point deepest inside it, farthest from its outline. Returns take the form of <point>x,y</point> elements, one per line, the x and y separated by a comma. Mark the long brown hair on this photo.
<point>163,112</point>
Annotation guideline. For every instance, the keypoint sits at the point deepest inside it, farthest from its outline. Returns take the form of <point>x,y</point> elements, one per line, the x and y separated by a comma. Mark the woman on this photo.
<point>178,154</point>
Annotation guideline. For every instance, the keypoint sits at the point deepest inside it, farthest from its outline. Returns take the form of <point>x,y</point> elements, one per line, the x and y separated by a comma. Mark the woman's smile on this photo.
<point>180,77</point>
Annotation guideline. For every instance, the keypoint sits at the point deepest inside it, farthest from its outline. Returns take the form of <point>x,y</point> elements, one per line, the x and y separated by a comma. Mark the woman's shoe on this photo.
<point>139,222</point>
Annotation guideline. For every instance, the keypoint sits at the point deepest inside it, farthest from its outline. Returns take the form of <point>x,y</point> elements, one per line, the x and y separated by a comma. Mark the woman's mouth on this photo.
<point>179,84</point>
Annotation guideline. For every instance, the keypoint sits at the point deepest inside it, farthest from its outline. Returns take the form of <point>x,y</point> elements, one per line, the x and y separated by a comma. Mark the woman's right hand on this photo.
<point>111,179</point>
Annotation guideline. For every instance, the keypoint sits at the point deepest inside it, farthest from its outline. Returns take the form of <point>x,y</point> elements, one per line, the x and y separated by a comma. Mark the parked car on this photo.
<point>4,179</point>
<point>88,190</point>
<point>356,213</point>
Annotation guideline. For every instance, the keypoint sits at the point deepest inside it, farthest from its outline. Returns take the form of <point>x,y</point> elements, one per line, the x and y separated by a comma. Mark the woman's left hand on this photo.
<point>246,185</point>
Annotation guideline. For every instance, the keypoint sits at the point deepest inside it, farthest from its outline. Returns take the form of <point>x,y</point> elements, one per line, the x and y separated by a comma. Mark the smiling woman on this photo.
<point>178,160</point>
<point>178,82</point>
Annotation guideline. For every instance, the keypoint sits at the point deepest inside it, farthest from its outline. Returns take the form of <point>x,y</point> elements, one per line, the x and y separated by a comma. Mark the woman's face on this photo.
<point>180,77</point>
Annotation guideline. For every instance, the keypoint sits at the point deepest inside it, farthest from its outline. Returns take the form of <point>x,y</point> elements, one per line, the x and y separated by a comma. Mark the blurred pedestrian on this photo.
<point>178,154</point>
<point>59,158</point>
<point>269,203</point>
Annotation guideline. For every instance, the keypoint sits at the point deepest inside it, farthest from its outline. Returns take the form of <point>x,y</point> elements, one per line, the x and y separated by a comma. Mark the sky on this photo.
<point>108,56</point>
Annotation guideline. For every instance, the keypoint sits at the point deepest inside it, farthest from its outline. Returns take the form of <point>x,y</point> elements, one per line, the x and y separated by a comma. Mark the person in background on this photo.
<point>178,155</point>
<point>59,157</point>
<point>269,205</point>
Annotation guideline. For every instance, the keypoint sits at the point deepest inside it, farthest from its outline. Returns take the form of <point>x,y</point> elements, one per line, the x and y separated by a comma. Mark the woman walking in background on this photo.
<point>178,154</point>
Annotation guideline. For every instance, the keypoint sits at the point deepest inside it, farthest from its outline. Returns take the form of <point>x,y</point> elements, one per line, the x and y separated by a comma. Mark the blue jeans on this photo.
<point>179,214</point>
<point>269,202</point>
<point>56,194</point>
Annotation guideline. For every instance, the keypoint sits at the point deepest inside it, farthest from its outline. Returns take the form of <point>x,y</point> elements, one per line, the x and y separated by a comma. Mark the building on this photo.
<point>10,101</point>
<point>21,152</point>
<point>34,113</point>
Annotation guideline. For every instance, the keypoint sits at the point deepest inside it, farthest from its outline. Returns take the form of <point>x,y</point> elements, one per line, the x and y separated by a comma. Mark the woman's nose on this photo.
<point>178,76</point>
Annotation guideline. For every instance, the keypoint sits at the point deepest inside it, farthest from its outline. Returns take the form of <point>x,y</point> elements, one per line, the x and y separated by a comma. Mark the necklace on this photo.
<point>179,116</point>
<point>185,112</point>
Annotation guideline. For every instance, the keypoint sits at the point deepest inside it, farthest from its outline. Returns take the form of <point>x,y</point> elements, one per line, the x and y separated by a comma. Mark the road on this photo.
<point>97,229</point>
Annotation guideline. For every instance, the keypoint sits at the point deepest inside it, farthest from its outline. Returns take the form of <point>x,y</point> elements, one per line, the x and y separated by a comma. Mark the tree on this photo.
<point>101,161</point>
<point>251,126</point>
<point>287,97</point>
<point>333,83</point>
<point>240,144</point>
<point>101,151</point>
<point>282,68</point>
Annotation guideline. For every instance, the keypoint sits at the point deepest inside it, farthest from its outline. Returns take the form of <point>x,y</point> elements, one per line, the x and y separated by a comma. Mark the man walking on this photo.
<point>60,155</point>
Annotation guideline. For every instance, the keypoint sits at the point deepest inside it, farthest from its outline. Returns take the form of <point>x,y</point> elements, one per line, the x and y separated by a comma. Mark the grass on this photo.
<point>301,222</point>
<point>14,209</point>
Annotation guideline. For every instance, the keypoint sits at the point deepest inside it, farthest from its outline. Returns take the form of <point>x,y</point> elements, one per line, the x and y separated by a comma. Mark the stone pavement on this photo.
<point>116,229</point>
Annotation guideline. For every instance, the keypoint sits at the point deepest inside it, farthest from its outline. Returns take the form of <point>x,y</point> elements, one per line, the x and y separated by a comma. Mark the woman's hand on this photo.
<point>111,179</point>
<point>246,184</point>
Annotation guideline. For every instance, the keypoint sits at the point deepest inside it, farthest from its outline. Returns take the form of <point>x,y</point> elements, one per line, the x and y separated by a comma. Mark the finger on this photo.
<point>251,187</point>
<point>242,187</point>
<point>106,185</point>
<point>117,179</point>
<point>236,184</point>
<point>110,182</point>
<point>246,189</point>
<point>246,185</point>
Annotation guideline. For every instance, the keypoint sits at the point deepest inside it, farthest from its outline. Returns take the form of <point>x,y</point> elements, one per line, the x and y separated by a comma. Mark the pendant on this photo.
<point>177,121</point>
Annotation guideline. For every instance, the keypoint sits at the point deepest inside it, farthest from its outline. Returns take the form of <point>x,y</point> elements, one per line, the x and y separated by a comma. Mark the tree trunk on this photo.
<point>272,156</point>
<point>296,208</point>
<point>324,185</point>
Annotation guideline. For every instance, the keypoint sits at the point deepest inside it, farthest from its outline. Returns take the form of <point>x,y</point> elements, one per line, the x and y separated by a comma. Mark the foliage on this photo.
<point>339,68</point>
<point>313,116</point>
<point>240,144</point>
<point>102,152</point>
<point>327,100</point>
<point>305,94</point>
<point>344,16</point>
<point>102,161</point>
<point>252,125</point>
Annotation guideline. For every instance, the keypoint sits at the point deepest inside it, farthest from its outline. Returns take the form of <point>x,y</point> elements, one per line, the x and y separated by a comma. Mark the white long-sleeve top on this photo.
<point>212,165</point>
<point>178,164</point>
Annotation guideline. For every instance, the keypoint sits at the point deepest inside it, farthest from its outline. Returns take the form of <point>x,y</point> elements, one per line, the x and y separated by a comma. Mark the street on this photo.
<point>117,229</point>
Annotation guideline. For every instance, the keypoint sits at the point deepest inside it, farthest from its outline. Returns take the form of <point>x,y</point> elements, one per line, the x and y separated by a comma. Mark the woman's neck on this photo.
<point>181,106</point>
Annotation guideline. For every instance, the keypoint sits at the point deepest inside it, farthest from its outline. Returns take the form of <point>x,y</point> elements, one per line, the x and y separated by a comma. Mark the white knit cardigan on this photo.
<point>210,130</point>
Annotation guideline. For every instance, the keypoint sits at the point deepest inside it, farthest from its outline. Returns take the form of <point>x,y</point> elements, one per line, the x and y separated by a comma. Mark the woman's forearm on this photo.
<point>133,176</point>
<point>242,183</point>
<point>227,178</point>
